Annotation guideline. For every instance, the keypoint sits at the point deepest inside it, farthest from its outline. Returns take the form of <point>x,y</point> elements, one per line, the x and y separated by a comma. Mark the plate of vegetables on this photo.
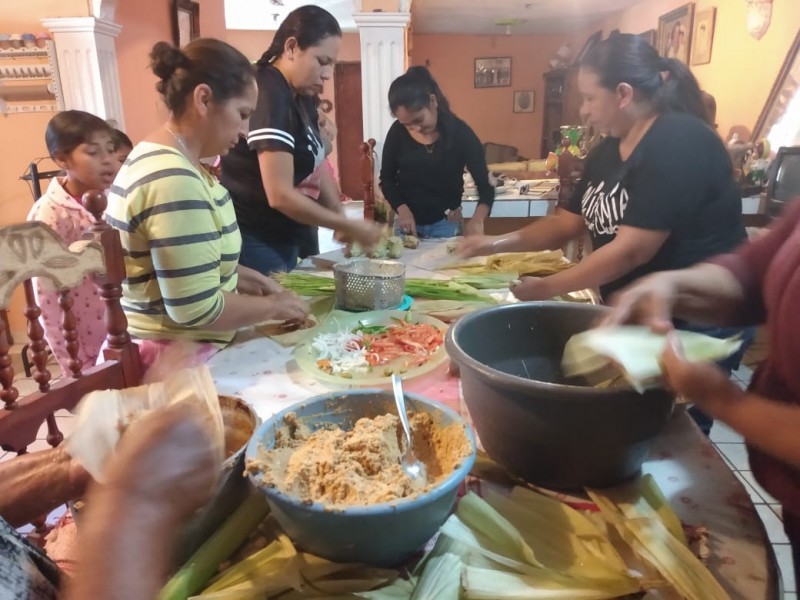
<point>364,349</point>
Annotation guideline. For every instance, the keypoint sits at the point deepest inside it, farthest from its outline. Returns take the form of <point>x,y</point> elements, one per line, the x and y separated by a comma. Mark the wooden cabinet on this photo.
<point>562,103</point>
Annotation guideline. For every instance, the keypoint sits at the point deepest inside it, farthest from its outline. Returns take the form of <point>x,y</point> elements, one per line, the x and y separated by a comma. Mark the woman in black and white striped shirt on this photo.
<point>283,147</point>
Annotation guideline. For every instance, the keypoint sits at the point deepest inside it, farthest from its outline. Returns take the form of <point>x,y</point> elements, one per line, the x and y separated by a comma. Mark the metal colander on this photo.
<point>367,284</point>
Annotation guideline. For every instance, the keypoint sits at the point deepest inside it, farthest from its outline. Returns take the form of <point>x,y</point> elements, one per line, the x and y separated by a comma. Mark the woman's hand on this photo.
<point>166,460</point>
<point>253,283</point>
<point>650,302</point>
<point>532,288</point>
<point>405,221</point>
<point>473,227</point>
<point>704,384</point>
<point>286,306</point>
<point>476,244</point>
<point>366,233</point>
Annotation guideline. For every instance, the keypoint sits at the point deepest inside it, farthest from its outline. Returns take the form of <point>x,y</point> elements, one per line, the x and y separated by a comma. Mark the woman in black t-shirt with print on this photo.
<point>284,147</point>
<point>424,156</point>
<point>656,194</point>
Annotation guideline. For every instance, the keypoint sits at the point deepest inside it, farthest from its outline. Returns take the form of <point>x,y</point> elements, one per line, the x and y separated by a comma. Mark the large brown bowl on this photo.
<point>550,432</point>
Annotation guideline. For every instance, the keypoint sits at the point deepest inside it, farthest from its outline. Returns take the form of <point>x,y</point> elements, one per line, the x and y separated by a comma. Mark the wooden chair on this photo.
<point>33,249</point>
<point>368,177</point>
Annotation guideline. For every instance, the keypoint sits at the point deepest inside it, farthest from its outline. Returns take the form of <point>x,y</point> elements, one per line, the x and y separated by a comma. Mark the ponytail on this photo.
<point>679,91</point>
<point>413,91</point>
<point>309,25</point>
<point>665,82</point>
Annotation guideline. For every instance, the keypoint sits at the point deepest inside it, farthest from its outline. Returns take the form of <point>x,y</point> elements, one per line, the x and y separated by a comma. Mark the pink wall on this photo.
<point>489,111</point>
<point>144,22</point>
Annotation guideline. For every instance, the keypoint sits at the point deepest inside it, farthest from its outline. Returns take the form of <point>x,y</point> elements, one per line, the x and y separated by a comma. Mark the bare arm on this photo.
<point>242,310</point>
<point>770,425</point>
<point>277,173</point>
<point>548,233</point>
<point>36,483</point>
<point>706,293</point>
<point>164,469</point>
<point>631,248</point>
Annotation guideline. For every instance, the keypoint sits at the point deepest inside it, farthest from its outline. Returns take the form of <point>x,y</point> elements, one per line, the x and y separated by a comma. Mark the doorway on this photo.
<point>350,127</point>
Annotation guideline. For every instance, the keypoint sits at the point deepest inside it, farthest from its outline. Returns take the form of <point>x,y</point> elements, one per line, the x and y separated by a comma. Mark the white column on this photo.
<point>87,62</point>
<point>383,59</point>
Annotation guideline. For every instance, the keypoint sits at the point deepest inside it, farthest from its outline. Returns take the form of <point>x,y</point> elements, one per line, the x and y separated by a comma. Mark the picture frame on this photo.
<point>648,36</point>
<point>703,36</point>
<point>524,101</point>
<point>493,72</point>
<point>185,22</point>
<point>590,43</point>
<point>675,33</point>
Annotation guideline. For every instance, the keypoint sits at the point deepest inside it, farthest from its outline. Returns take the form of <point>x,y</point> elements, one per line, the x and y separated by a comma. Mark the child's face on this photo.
<point>122,154</point>
<point>92,165</point>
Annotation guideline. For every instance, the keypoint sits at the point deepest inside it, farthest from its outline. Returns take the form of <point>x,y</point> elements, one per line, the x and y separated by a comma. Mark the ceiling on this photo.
<point>443,16</point>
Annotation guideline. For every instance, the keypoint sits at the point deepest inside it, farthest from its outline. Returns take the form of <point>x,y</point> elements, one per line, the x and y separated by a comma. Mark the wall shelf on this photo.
<point>29,80</point>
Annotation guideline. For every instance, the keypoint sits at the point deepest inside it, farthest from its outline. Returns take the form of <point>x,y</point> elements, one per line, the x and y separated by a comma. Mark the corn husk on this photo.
<point>636,351</point>
<point>494,544</point>
<point>640,525</point>
<point>536,264</point>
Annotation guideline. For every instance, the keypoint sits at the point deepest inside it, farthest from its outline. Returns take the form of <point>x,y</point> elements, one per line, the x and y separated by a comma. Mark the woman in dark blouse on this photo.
<point>424,156</point>
<point>284,147</point>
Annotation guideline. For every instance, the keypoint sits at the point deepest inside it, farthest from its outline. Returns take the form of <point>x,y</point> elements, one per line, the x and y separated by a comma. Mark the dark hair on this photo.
<point>120,139</point>
<point>413,90</point>
<point>71,128</point>
<point>627,58</point>
<point>309,25</point>
<point>222,67</point>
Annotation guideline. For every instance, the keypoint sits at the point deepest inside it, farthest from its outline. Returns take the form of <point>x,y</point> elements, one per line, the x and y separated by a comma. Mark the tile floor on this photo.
<point>727,442</point>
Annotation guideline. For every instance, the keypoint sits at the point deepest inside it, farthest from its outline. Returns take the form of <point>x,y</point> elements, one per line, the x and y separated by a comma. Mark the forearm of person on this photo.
<point>706,293</point>
<point>599,268</point>
<point>128,544</point>
<point>303,209</point>
<point>481,212</point>
<point>277,175</point>
<point>548,233</point>
<point>771,426</point>
<point>241,310</point>
<point>36,483</point>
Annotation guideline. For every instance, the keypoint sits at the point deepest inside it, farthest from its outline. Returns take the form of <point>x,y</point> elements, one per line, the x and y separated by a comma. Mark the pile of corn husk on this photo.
<point>513,543</point>
<point>535,264</point>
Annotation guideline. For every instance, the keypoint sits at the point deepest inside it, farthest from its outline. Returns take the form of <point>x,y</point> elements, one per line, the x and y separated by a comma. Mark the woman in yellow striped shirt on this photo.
<point>177,223</point>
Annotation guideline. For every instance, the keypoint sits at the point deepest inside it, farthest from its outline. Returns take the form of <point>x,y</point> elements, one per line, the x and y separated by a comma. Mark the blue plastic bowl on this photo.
<point>380,534</point>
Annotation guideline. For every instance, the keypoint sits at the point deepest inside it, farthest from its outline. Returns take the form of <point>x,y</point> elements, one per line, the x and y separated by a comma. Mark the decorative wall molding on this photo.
<point>383,59</point>
<point>87,62</point>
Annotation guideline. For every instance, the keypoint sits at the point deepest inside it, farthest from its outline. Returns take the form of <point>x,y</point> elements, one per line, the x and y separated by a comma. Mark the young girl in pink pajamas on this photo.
<point>82,145</point>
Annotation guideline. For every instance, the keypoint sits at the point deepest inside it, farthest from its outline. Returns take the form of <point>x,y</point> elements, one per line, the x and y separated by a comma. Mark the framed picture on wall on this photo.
<point>703,36</point>
<point>523,101</point>
<point>492,72</point>
<point>649,36</point>
<point>185,21</point>
<point>675,33</point>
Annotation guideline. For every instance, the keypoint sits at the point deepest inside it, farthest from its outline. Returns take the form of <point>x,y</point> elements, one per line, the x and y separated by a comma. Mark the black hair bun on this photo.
<point>165,59</point>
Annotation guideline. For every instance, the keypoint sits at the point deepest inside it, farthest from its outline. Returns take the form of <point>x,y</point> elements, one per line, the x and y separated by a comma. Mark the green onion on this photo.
<point>220,546</point>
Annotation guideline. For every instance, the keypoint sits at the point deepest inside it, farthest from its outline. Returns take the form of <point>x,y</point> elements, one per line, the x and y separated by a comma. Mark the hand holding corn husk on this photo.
<point>636,351</point>
<point>104,416</point>
<point>704,383</point>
